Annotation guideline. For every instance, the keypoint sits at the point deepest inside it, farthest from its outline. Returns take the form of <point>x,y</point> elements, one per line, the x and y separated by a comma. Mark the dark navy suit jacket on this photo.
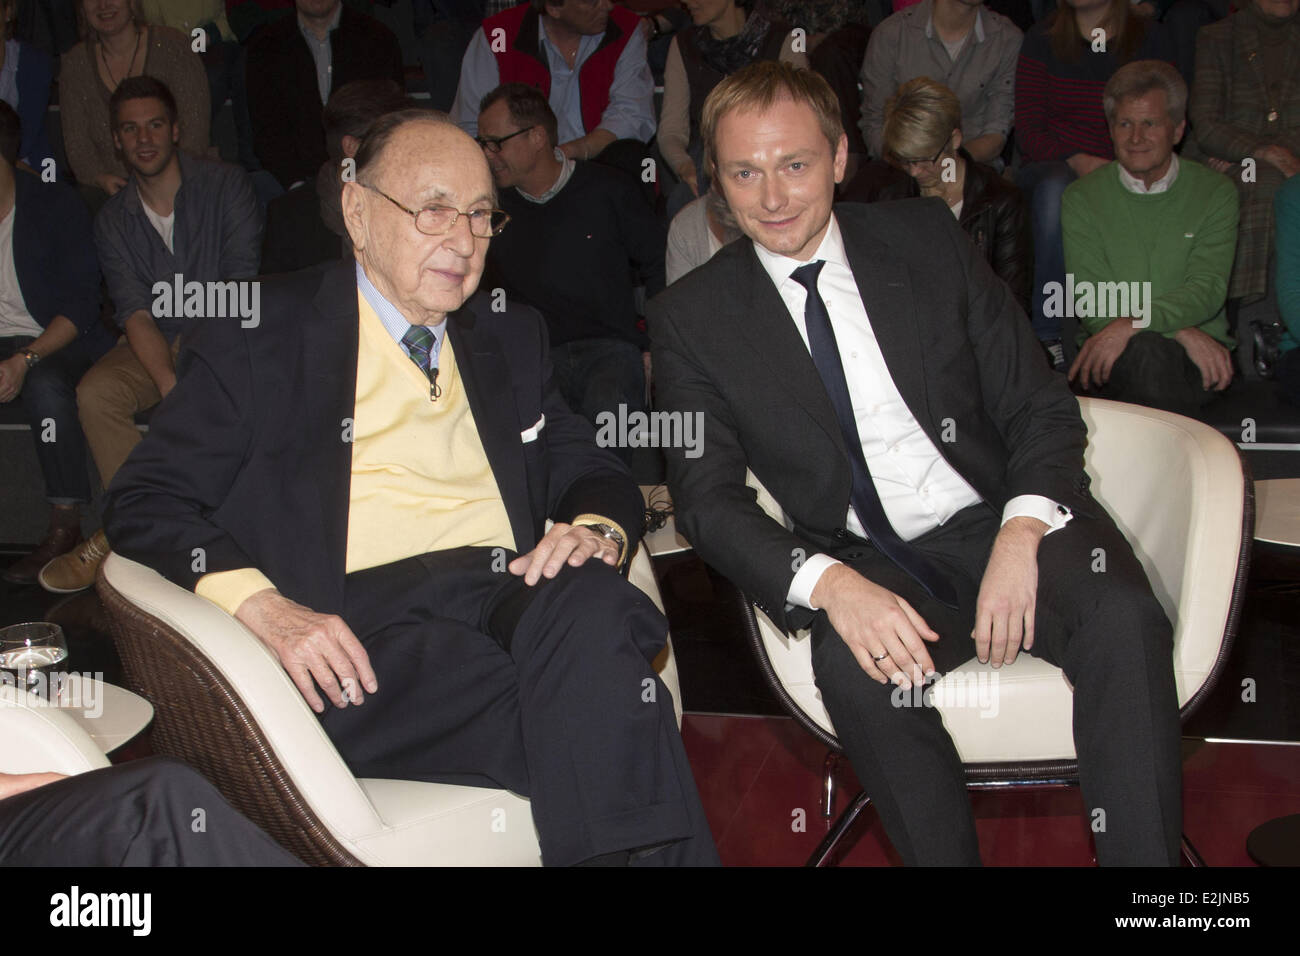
<point>247,457</point>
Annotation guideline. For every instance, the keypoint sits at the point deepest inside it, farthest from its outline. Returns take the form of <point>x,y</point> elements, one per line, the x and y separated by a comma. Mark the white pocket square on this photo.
<point>530,434</point>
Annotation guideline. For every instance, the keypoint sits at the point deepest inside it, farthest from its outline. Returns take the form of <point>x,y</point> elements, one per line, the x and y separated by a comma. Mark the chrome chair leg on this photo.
<point>841,827</point>
<point>829,766</point>
<point>1190,854</point>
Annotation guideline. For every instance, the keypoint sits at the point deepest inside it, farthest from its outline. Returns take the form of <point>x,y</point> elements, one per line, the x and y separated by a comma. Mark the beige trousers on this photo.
<point>108,398</point>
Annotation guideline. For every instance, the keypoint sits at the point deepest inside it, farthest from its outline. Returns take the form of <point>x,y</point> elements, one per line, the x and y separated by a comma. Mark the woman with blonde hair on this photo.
<point>923,141</point>
<point>116,43</point>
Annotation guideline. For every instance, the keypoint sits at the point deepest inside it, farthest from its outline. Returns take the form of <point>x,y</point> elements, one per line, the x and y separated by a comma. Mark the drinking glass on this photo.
<point>30,652</point>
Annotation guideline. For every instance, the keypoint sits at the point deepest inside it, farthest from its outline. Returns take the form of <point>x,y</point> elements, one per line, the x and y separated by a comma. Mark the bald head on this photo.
<point>415,159</point>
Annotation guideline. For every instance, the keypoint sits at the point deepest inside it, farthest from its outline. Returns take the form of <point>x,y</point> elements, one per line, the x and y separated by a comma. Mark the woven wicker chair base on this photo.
<point>198,718</point>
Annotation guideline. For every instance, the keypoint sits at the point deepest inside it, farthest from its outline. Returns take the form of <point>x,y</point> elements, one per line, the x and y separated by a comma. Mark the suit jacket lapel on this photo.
<point>487,386</point>
<point>886,289</point>
<point>767,327</point>
<point>328,409</point>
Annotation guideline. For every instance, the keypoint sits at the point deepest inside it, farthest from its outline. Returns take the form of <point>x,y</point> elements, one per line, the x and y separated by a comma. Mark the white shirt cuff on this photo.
<point>1054,515</point>
<point>805,580</point>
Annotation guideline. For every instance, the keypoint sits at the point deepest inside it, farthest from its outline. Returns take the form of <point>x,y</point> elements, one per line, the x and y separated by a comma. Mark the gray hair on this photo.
<point>1141,77</point>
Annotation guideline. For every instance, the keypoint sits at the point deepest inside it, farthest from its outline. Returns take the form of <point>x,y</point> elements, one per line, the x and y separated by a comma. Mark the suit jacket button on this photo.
<point>840,534</point>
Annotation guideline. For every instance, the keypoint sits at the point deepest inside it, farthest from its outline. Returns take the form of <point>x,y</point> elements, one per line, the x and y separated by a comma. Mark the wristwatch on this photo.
<point>31,358</point>
<point>610,532</point>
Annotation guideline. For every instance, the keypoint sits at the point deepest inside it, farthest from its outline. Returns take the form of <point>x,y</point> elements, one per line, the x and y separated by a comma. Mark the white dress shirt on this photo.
<point>1161,185</point>
<point>918,489</point>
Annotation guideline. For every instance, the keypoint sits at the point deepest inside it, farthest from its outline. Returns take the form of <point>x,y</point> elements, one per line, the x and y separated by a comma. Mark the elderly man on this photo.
<point>363,480</point>
<point>881,382</point>
<point>1165,230</point>
<point>587,57</point>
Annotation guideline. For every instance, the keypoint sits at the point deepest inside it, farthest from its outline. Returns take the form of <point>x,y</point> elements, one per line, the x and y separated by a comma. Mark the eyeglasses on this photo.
<point>493,143</point>
<point>925,162</point>
<point>439,220</point>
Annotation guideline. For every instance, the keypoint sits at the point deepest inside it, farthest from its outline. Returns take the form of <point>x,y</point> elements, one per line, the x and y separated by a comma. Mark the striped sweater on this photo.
<point>1058,104</point>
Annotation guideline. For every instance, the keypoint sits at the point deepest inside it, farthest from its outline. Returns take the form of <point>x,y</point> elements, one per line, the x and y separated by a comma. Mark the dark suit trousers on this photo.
<point>141,813</point>
<point>546,691</point>
<point>1104,629</point>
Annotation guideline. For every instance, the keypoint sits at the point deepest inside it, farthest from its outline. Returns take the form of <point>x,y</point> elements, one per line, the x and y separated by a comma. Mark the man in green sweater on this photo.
<point>1162,231</point>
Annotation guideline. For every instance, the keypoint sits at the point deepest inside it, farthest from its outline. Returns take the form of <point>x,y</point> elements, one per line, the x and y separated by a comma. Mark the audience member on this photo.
<point>1060,126</point>
<point>969,49</point>
<point>181,219</point>
<point>50,334</point>
<point>830,352</point>
<point>704,226</point>
<point>1245,105</point>
<point>117,45</point>
<point>443,43</point>
<point>580,236</point>
<point>586,56</point>
<point>25,76</point>
<point>923,138</point>
<point>1286,369</point>
<point>817,18</point>
<point>223,59</point>
<point>1161,229</point>
<point>1182,21</point>
<point>726,35</point>
<point>305,226</point>
<point>139,813</point>
<point>247,17</point>
<point>837,31</point>
<point>48,25</point>
<point>294,64</point>
<point>393,589</point>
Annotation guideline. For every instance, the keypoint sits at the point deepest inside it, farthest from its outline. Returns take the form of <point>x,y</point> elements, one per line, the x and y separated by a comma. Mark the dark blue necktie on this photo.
<point>864,497</point>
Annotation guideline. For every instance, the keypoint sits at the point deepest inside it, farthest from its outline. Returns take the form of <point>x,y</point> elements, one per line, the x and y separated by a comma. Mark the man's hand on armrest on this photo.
<point>310,645</point>
<point>884,632</point>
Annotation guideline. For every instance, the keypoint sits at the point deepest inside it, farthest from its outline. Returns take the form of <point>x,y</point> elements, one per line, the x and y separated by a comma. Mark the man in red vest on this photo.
<point>587,56</point>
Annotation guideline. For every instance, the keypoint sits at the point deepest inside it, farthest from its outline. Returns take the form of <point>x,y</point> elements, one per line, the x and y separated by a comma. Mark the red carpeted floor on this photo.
<point>760,780</point>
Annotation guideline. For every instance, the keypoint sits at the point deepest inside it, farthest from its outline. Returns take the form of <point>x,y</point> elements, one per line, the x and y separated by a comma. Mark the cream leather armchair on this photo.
<point>1178,491</point>
<point>38,738</point>
<point>224,705</point>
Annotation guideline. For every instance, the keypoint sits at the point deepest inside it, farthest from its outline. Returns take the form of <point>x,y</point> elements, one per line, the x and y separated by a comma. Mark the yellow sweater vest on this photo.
<point>420,478</point>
